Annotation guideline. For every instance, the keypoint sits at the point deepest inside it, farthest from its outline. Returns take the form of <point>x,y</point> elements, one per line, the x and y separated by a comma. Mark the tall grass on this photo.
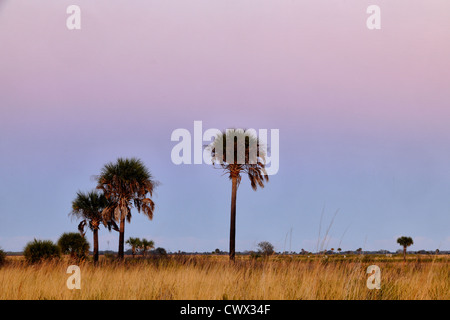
<point>213,277</point>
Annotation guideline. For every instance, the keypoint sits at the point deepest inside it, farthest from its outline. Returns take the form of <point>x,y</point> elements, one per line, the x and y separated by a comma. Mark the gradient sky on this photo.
<point>363,117</point>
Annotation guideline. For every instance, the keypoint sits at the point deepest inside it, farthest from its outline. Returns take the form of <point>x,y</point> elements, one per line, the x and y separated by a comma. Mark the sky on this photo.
<point>362,114</point>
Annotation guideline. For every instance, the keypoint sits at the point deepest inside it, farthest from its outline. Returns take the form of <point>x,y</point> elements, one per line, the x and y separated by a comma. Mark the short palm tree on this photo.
<point>89,207</point>
<point>134,243</point>
<point>146,245</point>
<point>238,152</point>
<point>405,242</point>
<point>127,183</point>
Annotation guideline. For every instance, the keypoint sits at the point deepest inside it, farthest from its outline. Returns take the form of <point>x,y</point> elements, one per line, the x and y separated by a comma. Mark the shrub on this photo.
<point>160,251</point>
<point>74,244</point>
<point>266,248</point>
<point>255,255</point>
<point>38,250</point>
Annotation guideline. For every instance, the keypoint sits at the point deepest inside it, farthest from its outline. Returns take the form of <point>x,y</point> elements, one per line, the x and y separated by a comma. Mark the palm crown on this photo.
<point>146,245</point>
<point>405,241</point>
<point>134,243</point>
<point>126,183</point>
<point>237,151</point>
<point>88,207</point>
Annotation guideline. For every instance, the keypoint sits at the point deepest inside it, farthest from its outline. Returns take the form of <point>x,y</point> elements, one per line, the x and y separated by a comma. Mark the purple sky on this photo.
<point>363,117</point>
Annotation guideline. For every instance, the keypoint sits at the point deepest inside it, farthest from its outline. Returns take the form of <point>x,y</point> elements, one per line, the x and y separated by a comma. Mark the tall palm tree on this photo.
<point>127,183</point>
<point>238,152</point>
<point>405,242</point>
<point>135,243</point>
<point>88,207</point>
<point>146,245</point>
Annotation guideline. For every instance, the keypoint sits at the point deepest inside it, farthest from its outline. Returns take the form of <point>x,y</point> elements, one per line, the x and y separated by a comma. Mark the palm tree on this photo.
<point>244,156</point>
<point>146,245</point>
<point>127,183</point>
<point>88,207</point>
<point>339,250</point>
<point>405,242</point>
<point>134,243</point>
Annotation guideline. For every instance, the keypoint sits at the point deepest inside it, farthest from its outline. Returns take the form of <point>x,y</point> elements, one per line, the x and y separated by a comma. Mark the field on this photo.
<point>214,277</point>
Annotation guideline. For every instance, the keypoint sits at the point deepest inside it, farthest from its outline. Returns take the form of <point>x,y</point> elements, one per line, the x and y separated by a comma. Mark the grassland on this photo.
<point>214,277</point>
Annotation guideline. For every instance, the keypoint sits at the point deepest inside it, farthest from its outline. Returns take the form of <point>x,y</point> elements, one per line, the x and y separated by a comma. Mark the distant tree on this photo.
<point>437,251</point>
<point>255,255</point>
<point>160,251</point>
<point>134,243</point>
<point>74,244</point>
<point>146,245</point>
<point>266,248</point>
<point>405,242</point>
<point>339,250</point>
<point>252,163</point>
<point>39,250</point>
<point>217,251</point>
<point>359,250</point>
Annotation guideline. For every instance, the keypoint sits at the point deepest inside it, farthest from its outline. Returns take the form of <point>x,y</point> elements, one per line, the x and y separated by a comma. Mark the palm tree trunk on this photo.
<point>95,245</point>
<point>233,219</point>
<point>404,253</point>
<point>121,237</point>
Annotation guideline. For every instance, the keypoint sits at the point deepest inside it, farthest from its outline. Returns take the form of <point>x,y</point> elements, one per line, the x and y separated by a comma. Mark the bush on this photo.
<point>38,250</point>
<point>74,244</point>
<point>266,248</point>
<point>2,257</point>
<point>160,251</point>
<point>255,255</point>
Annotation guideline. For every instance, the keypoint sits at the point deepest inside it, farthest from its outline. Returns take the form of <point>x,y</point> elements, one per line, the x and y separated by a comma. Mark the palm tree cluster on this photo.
<point>127,184</point>
<point>140,244</point>
<point>121,186</point>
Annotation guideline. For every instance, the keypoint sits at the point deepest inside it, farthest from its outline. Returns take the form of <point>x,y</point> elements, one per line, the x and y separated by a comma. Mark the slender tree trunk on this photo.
<point>233,219</point>
<point>121,237</point>
<point>404,253</point>
<point>95,245</point>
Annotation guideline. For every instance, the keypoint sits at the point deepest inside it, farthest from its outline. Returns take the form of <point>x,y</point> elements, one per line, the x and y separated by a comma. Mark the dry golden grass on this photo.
<point>213,277</point>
